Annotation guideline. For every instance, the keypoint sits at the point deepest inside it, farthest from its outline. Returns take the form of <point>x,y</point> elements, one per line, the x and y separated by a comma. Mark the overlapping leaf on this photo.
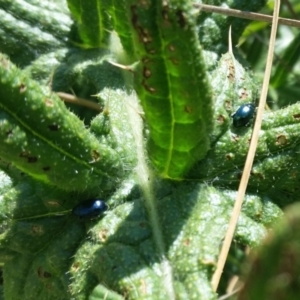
<point>118,250</point>
<point>20,17</point>
<point>170,80</point>
<point>39,145</point>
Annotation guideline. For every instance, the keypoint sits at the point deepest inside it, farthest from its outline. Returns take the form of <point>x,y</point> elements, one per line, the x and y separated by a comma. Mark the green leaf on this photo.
<point>238,87</point>
<point>122,26</point>
<point>43,67</point>
<point>275,170</point>
<point>110,126</point>
<point>39,145</point>
<point>55,21</point>
<point>118,249</point>
<point>24,42</point>
<point>171,82</point>
<point>93,21</point>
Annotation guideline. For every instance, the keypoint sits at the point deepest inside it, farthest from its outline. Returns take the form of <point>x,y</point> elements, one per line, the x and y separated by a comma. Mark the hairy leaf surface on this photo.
<point>40,145</point>
<point>118,249</point>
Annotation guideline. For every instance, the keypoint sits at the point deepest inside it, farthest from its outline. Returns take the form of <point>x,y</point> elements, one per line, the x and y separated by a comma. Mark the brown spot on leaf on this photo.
<point>230,76</point>
<point>188,109</point>
<point>48,102</point>
<point>37,230</point>
<point>228,105</point>
<point>164,11</point>
<point>244,94</point>
<point>47,275</point>
<point>32,159</point>
<point>40,272</point>
<point>208,262</point>
<point>174,60</point>
<point>43,274</point>
<point>102,235</point>
<point>22,88</point>
<point>53,127</point>
<point>294,174</point>
<point>186,242</point>
<point>229,156</point>
<point>24,154</point>
<point>281,140</point>
<point>144,35</point>
<point>95,155</point>
<point>296,116</point>
<point>145,3</point>
<point>75,266</point>
<point>126,292</point>
<point>258,175</point>
<point>53,203</point>
<point>235,138</point>
<point>145,60</point>
<point>143,224</point>
<point>9,133</point>
<point>134,16</point>
<point>49,286</point>
<point>181,18</point>
<point>231,71</point>
<point>150,89</point>
<point>221,119</point>
<point>146,72</point>
<point>143,286</point>
<point>171,48</point>
<point>239,175</point>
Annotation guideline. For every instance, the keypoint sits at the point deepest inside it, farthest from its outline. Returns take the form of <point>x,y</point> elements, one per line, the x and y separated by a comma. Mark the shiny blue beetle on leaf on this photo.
<point>89,209</point>
<point>243,115</point>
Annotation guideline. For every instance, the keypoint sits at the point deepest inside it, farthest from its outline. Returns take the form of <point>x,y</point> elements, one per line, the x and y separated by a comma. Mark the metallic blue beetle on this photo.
<point>89,209</point>
<point>243,115</point>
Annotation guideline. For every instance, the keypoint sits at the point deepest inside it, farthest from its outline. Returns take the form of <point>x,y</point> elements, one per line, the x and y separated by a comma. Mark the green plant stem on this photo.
<point>145,179</point>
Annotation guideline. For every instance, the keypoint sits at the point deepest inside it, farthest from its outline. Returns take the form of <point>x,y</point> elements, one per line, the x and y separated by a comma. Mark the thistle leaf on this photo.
<point>39,145</point>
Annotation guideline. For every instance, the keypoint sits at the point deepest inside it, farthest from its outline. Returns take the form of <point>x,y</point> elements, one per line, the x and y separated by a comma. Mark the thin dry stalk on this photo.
<point>250,157</point>
<point>79,101</point>
<point>245,15</point>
